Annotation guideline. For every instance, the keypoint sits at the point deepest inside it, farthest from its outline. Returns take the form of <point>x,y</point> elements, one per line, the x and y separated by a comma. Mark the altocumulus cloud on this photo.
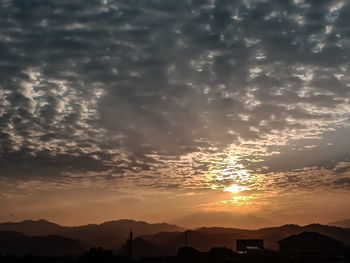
<point>162,92</point>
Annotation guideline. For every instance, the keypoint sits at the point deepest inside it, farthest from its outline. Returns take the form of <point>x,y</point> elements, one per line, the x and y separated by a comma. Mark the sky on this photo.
<point>159,109</point>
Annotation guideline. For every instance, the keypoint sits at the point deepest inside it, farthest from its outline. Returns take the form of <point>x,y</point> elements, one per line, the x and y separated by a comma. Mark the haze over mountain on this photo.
<point>224,219</point>
<point>341,223</point>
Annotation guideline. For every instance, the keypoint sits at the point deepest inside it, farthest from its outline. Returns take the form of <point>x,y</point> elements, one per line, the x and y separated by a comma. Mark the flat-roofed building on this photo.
<point>245,246</point>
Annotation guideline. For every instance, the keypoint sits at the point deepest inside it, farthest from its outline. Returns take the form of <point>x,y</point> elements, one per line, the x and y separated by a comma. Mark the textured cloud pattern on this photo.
<point>165,93</point>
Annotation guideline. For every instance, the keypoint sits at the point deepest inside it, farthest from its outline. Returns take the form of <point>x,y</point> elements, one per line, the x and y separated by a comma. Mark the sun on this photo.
<point>235,188</point>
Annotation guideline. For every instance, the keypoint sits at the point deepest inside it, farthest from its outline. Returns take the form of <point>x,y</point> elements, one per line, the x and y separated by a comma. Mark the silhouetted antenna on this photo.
<point>186,238</point>
<point>130,244</point>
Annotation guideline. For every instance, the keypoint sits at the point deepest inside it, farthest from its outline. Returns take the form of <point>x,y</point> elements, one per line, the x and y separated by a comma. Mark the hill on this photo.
<point>53,245</point>
<point>203,239</point>
<point>153,239</point>
<point>109,235</point>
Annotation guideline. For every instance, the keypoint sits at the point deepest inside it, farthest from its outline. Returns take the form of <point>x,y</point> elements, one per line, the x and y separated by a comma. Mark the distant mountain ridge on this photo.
<point>160,239</point>
<point>110,235</point>
<point>203,239</point>
<point>342,223</point>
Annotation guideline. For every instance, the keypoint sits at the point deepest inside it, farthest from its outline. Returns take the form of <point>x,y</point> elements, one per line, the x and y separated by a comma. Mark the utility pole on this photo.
<point>186,238</point>
<point>130,244</point>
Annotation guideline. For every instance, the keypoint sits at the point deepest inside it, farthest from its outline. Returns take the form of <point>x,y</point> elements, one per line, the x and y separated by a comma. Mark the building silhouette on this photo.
<point>309,243</point>
<point>244,246</point>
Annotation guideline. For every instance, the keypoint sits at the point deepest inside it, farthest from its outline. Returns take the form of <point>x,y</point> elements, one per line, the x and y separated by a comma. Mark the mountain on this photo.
<point>150,239</point>
<point>223,219</point>
<point>4,235</point>
<point>29,227</point>
<point>203,239</point>
<point>273,234</point>
<point>109,235</point>
<point>342,223</point>
<point>20,244</point>
<point>199,240</point>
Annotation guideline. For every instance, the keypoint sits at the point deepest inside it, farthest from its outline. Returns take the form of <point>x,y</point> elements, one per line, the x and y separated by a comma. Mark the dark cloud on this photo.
<point>342,183</point>
<point>131,86</point>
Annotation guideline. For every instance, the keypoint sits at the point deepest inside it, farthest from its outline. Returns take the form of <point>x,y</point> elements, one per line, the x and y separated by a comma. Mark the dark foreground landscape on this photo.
<point>131,241</point>
<point>186,254</point>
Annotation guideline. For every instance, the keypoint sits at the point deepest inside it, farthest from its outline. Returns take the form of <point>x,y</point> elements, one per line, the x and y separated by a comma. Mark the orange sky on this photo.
<point>169,110</point>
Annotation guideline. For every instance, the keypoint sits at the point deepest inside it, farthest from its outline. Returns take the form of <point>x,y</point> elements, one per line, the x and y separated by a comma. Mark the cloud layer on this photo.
<point>165,93</point>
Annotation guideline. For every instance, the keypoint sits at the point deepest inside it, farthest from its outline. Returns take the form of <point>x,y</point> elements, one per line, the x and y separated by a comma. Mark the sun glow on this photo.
<point>227,168</point>
<point>238,200</point>
<point>235,188</point>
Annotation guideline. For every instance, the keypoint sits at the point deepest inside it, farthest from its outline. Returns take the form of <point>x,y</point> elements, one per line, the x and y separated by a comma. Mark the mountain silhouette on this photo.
<point>150,239</point>
<point>52,245</point>
<point>109,235</point>
<point>342,223</point>
<point>30,227</point>
<point>203,239</point>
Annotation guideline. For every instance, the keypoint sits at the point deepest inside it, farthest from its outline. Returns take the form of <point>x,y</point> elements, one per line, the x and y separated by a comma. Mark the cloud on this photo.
<point>162,93</point>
